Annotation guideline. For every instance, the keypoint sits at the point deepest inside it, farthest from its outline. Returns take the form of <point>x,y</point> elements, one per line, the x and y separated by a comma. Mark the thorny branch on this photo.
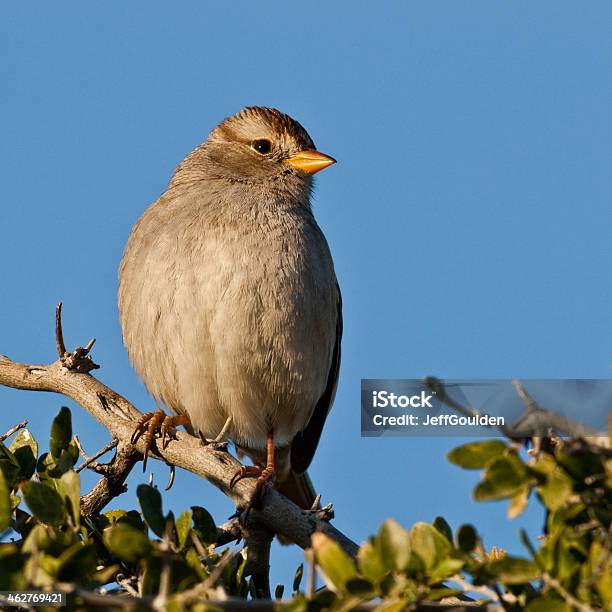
<point>69,376</point>
<point>537,421</point>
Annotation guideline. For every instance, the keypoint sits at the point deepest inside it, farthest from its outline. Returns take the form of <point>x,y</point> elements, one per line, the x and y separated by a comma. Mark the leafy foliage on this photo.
<point>131,553</point>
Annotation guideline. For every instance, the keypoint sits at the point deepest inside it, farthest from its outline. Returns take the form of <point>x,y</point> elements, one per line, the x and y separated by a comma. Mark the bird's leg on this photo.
<point>263,475</point>
<point>152,423</point>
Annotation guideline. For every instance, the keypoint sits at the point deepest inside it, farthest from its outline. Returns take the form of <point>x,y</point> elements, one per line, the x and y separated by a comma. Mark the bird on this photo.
<point>229,304</point>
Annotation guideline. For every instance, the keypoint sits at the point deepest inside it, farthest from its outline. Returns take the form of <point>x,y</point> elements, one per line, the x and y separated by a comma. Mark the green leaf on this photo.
<point>394,605</point>
<point>15,501</point>
<point>127,543</point>
<point>558,485</point>
<point>131,518</point>
<point>371,563</point>
<point>323,600</point>
<point>61,432</point>
<point>204,525</point>
<point>12,574</point>
<point>337,567</point>
<point>5,503</point>
<point>9,466</point>
<point>428,544</point>
<point>44,502</point>
<point>527,542</point>
<point>441,593</point>
<point>444,528</point>
<point>445,568</point>
<point>278,591</point>
<point>193,560</point>
<point>518,502</point>
<point>476,455</point>
<point>604,586</point>
<point>69,488</point>
<point>183,527</point>
<point>505,476</point>
<point>360,587</point>
<point>569,560</point>
<point>25,450</point>
<point>78,563</point>
<point>467,538</point>
<point>512,570</point>
<point>548,603</point>
<point>297,578</point>
<point>49,467</point>
<point>151,506</point>
<point>394,543</point>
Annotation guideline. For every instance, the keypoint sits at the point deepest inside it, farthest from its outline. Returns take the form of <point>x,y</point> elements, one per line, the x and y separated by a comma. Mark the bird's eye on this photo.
<point>262,145</point>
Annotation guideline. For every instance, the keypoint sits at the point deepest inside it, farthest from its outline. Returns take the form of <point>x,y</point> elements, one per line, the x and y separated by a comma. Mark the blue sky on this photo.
<point>469,214</point>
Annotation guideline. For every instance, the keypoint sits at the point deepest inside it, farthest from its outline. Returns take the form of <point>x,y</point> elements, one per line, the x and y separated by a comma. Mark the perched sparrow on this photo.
<point>229,304</point>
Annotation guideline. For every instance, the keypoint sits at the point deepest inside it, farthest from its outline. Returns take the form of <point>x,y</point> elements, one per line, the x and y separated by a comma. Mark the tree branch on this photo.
<point>12,430</point>
<point>119,416</point>
<point>112,483</point>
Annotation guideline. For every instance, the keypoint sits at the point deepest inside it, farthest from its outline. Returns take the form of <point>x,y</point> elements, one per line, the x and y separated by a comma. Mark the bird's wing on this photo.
<point>305,443</point>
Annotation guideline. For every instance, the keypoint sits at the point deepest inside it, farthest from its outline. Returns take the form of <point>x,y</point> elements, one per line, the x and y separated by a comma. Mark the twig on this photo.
<point>235,604</point>
<point>229,532</point>
<point>258,540</point>
<point>539,420</point>
<point>604,557</point>
<point>312,574</point>
<point>112,483</point>
<point>91,461</point>
<point>200,549</point>
<point>125,583</point>
<point>226,427</point>
<point>165,578</point>
<point>59,334</point>
<point>79,360</point>
<point>12,430</point>
<point>468,587</point>
<point>530,404</point>
<point>536,420</point>
<point>553,583</point>
<point>204,587</point>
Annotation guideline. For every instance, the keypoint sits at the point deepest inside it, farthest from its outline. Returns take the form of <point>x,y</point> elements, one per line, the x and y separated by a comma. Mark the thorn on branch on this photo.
<point>530,404</point>
<point>325,513</point>
<point>78,360</point>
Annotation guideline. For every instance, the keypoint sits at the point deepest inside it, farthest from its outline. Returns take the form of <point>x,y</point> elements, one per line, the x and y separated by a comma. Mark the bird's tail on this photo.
<point>299,489</point>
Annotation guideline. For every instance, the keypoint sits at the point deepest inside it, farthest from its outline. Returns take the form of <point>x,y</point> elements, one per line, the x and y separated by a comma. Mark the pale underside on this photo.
<point>231,310</point>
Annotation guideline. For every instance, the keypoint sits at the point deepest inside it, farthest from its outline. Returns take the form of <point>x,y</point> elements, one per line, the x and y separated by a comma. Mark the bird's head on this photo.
<point>258,144</point>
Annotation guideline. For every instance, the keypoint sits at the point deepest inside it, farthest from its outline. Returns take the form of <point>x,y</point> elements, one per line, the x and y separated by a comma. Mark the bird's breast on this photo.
<point>232,316</point>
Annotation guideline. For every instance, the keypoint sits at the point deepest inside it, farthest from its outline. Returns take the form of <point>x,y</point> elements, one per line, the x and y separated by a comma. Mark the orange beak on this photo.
<point>310,161</point>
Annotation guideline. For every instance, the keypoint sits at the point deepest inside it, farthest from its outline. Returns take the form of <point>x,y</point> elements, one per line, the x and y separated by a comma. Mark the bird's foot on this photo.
<point>157,423</point>
<point>264,477</point>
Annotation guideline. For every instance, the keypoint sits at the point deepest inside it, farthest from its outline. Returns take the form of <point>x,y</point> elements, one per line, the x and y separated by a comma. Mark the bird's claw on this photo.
<point>153,423</point>
<point>264,476</point>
